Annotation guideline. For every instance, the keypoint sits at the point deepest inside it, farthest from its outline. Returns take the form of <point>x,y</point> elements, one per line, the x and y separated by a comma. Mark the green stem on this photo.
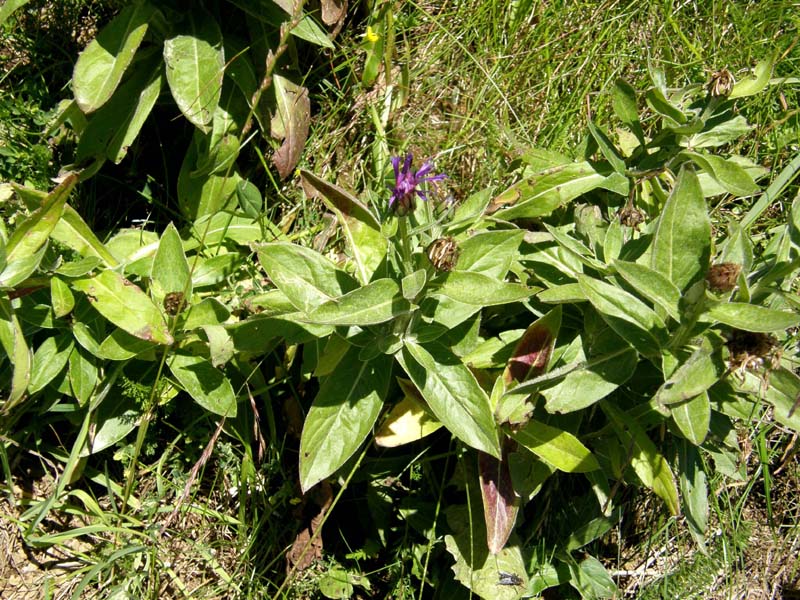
<point>405,245</point>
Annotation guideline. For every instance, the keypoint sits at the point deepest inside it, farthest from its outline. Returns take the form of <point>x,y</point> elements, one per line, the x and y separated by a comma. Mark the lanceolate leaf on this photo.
<point>698,373</point>
<point>290,123</point>
<point>362,231</point>
<point>682,240</point>
<point>125,305</point>
<point>751,317</point>
<point>170,267</point>
<point>195,64</point>
<point>49,360</point>
<point>652,285</point>
<point>342,415</point>
<point>628,316</point>
<point>558,448</point>
<point>33,232</point>
<point>733,178</point>
<point>649,465</point>
<point>500,503</point>
<point>453,395</point>
<point>533,351</point>
<point>16,348</point>
<point>206,384</point>
<point>756,82</point>
<point>481,290</point>
<point>490,253</point>
<point>376,302</point>
<point>693,417</point>
<point>306,277</point>
<point>100,66</point>
<point>113,128</point>
<point>591,382</point>
<point>542,193</point>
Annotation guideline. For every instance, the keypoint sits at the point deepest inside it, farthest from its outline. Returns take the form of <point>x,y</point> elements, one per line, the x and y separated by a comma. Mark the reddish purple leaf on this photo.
<point>500,503</point>
<point>533,351</point>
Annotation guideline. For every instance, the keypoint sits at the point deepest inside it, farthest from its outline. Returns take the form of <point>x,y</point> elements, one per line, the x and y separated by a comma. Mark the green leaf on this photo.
<point>61,297</point>
<point>693,417</point>
<point>541,193</point>
<point>217,227</point>
<point>208,311</point>
<point>625,314</point>
<point>475,567</point>
<point>575,247</point>
<point>490,253</point>
<point>682,240</point>
<point>113,128</point>
<point>591,579</point>
<point>365,241</point>
<point>121,345</point>
<point>115,418</point>
<point>170,267</point>
<point>249,198</point>
<point>568,293</point>
<point>720,134</point>
<point>195,65</point>
<point>32,233</point>
<point>694,491</point>
<point>268,12</point>
<point>750,317</point>
<point>8,8</point>
<point>215,269</point>
<point>624,104</point>
<point>342,415</point>
<point>102,63</point>
<point>607,148</point>
<point>376,302</point>
<point>72,231</point>
<point>733,178</point>
<point>82,374</point>
<point>453,395</point>
<point>651,468</point>
<point>49,360</point>
<point>306,277</point>
<point>659,103</point>
<point>557,448</point>
<point>756,82</point>
<point>125,305</point>
<point>16,348</point>
<point>694,376</point>
<point>652,285</point>
<point>290,123</point>
<point>481,290</point>
<point>19,269</point>
<point>592,381</point>
<point>206,384</point>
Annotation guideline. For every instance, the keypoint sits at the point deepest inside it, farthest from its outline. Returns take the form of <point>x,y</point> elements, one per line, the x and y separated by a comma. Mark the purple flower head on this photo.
<point>407,183</point>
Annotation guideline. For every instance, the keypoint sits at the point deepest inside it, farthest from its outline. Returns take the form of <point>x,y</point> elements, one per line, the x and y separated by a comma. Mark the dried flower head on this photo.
<point>630,216</point>
<point>753,351</point>
<point>721,84</point>
<point>443,253</point>
<point>174,303</point>
<point>722,276</point>
<point>407,184</point>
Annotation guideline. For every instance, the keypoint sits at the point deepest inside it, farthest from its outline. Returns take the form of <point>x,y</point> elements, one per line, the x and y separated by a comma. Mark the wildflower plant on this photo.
<point>625,326</point>
<point>551,328</point>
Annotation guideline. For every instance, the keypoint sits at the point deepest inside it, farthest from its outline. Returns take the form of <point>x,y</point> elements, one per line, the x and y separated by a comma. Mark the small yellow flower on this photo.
<point>371,36</point>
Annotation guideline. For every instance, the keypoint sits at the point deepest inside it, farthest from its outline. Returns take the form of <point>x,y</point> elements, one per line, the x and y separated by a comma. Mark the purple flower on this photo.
<point>407,183</point>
